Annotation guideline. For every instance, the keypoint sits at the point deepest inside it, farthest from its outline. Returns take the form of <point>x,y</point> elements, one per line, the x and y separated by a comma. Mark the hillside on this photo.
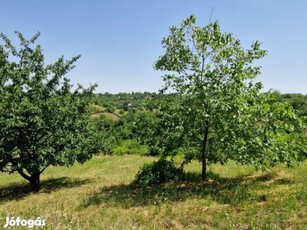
<point>98,195</point>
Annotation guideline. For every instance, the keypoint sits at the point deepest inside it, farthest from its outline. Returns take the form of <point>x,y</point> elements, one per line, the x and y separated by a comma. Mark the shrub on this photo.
<point>158,172</point>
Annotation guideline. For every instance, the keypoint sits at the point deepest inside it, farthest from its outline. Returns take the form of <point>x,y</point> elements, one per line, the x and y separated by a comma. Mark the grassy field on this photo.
<point>98,195</point>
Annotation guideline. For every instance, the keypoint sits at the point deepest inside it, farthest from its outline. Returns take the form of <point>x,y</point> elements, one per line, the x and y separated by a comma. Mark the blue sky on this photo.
<point>119,40</point>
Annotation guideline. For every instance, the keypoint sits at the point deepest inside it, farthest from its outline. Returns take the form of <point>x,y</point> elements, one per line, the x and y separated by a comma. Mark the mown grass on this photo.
<point>99,195</point>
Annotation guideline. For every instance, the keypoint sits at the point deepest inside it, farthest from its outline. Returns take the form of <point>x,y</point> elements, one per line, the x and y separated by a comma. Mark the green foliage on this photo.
<point>158,172</point>
<point>116,136</point>
<point>105,133</point>
<point>219,112</point>
<point>123,102</point>
<point>130,147</point>
<point>298,102</point>
<point>42,121</point>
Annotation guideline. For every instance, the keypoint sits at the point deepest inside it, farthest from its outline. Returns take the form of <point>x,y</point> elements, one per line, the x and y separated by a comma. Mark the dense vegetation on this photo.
<point>120,128</point>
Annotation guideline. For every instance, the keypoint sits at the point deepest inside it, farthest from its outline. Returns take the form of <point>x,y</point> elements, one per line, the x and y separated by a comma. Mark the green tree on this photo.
<point>220,113</point>
<point>157,125</point>
<point>43,121</point>
<point>106,133</point>
<point>298,102</point>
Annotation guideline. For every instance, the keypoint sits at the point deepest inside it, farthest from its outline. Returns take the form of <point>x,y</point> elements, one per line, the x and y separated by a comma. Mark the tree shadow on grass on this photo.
<point>16,191</point>
<point>273,178</point>
<point>232,191</point>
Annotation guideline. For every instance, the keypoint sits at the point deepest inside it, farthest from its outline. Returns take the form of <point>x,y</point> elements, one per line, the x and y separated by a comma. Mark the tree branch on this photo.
<point>43,169</point>
<point>19,170</point>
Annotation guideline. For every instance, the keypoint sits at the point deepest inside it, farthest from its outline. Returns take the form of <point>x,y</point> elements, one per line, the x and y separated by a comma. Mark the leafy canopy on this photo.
<point>43,121</point>
<point>219,111</point>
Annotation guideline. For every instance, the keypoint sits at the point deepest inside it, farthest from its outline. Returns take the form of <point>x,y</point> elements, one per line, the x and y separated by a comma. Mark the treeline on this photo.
<point>122,102</point>
<point>124,120</point>
<point>137,100</point>
<point>296,100</point>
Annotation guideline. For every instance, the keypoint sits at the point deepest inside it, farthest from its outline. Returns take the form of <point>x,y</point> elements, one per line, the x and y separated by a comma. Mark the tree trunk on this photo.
<point>35,182</point>
<point>34,179</point>
<point>204,154</point>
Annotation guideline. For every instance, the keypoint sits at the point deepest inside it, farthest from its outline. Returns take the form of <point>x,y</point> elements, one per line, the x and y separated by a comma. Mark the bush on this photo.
<point>153,151</point>
<point>110,109</point>
<point>158,172</point>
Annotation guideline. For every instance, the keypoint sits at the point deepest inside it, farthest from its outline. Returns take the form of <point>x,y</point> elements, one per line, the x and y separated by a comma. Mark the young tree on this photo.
<point>43,122</point>
<point>221,113</point>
